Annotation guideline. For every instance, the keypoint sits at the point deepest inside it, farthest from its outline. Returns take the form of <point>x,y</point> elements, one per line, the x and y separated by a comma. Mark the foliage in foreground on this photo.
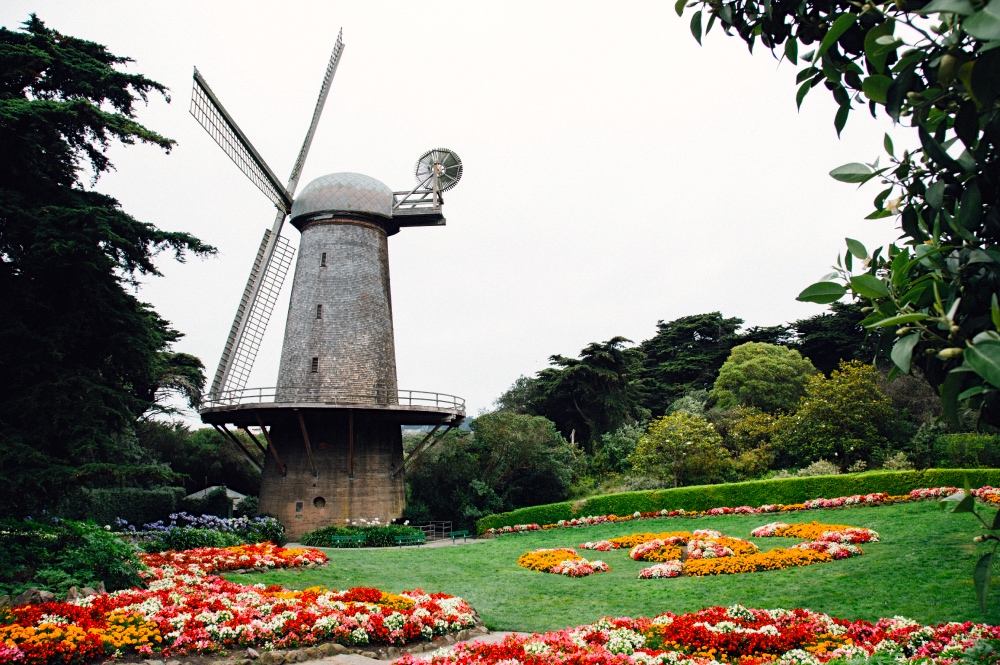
<point>83,358</point>
<point>57,554</point>
<point>934,66</point>
<point>375,536</point>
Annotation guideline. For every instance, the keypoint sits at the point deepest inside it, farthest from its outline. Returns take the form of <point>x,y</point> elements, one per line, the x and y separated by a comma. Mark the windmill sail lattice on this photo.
<point>275,254</point>
<point>241,349</point>
<point>209,112</point>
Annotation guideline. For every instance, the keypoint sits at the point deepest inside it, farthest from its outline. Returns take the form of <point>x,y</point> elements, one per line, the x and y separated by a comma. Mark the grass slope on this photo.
<point>922,569</point>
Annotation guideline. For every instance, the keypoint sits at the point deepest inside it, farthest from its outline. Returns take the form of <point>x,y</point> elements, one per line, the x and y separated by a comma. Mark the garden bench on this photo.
<point>348,541</point>
<point>417,540</point>
<point>464,535</point>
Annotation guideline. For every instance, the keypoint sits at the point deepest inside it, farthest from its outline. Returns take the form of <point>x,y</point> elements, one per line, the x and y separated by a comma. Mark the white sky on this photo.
<point>616,173</point>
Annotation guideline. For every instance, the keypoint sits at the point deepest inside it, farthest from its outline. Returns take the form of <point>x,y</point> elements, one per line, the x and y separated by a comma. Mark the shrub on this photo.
<point>248,507</point>
<point>966,450</point>
<point>844,418</point>
<point>185,531</point>
<point>57,554</point>
<point>133,504</point>
<point>820,468</point>
<point>375,536</point>
<point>766,376</point>
<point>216,502</point>
<point>751,493</point>
<point>681,446</point>
<point>897,462</point>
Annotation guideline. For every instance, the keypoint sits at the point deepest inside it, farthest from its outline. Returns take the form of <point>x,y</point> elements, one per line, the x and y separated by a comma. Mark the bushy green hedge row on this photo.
<point>753,493</point>
<point>134,505</point>
<point>375,536</point>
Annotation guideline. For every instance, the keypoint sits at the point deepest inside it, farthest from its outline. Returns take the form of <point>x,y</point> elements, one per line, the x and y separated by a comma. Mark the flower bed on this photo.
<point>987,493</point>
<point>720,635</point>
<point>835,533</point>
<point>184,531</point>
<point>709,552</point>
<point>561,561</point>
<point>186,609</point>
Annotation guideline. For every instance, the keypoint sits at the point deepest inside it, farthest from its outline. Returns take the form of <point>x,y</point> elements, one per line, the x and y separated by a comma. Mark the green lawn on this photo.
<point>922,569</point>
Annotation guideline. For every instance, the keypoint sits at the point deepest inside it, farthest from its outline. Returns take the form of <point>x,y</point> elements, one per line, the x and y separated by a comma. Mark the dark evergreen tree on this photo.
<point>593,394</point>
<point>685,355</point>
<point>78,350</point>
<point>830,338</point>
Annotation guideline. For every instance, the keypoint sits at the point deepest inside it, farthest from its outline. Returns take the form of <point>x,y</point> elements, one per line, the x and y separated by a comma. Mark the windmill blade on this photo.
<point>324,91</point>
<point>275,254</point>
<point>261,293</point>
<point>210,114</point>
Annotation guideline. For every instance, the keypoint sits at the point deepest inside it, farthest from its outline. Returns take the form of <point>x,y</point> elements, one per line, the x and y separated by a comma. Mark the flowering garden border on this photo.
<point>725,635</point>
<point>986,493</point>
<point>187,609</point>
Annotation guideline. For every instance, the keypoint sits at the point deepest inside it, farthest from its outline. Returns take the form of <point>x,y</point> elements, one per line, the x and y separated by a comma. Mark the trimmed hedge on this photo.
<point>132,504</point>
<point>753,493</point>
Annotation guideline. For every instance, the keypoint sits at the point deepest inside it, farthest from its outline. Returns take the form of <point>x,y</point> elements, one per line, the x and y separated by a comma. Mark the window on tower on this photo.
<point>315,365</point>
<point>322,261</point>
<point>319,311</point>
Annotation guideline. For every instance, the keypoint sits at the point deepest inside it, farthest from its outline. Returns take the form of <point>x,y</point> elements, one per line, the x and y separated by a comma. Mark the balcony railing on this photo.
<point>319,395</point>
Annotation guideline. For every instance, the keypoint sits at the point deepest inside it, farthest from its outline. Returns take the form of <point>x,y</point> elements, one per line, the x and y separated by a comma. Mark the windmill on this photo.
<point>332,424</point>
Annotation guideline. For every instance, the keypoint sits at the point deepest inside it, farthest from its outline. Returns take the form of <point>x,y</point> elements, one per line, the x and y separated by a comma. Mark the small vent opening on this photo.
<point>319,311</point>
<point>322,261</point>
<point>314,368</point>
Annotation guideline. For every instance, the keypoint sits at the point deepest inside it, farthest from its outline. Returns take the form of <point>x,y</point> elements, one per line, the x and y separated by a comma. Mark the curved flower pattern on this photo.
<point>186,609</point>
<point>716,635</point>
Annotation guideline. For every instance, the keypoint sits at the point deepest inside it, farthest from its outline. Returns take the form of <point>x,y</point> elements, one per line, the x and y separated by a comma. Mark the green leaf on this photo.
<point>936,151</point>
<point>967,123</point>
<point>959,502</point>
<point>984,24</point>
<point>985,78</point>
<point>839,27</point>
<point>696,26</point>
<point>949,390</point>
<point>984,359</point>
<point>995,311</point>
<point>981,578</point>
<point>841,118</point>
<point>971,392</point>
<point>869,286</point>
<point>935,195</point>
<point>875,52</point>
<point>823,293</point>
<point>679,7</point>
<point>960,7</point>
<point>902,351</point>
<point>887,143</point>
<point>970,211</point>
<point>853,172</point>
<point>996,521</point>
<point>856,248</point>
<point>801,94</point>
<point>875,89</point>
<point>792,50</point>
<point>900,320</point>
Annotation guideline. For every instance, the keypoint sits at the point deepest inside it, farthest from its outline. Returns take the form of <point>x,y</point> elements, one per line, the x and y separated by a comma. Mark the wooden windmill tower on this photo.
<point>330,429</point>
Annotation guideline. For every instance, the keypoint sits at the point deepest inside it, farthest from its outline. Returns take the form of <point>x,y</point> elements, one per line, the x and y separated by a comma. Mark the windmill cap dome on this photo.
<point>344,192</point>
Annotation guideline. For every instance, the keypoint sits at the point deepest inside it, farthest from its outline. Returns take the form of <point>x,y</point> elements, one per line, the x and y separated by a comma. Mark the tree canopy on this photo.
<point>78,351</point>
<point>593,394</point>
<point>932,66</point>
<point>765,376</point>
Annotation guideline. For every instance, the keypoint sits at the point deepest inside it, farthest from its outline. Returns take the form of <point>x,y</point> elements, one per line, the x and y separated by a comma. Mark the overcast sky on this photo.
<point>616,173</point>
